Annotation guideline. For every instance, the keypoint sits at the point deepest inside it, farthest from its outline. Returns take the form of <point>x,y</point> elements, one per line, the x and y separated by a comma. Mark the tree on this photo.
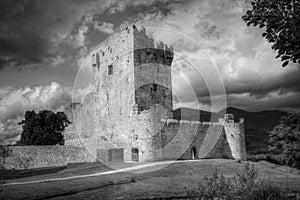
<point>43,128</point>
<point>285,140</point>
<point>281,20</point>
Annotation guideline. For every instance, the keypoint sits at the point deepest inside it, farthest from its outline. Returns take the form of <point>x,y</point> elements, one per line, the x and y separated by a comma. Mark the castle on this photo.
<point>129,115</point>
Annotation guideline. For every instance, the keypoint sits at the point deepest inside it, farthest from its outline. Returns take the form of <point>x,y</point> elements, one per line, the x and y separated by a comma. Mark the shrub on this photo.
<point>277,159</point>
<point>264,190</point>
<point>285,140</point>
<point>245,185</point>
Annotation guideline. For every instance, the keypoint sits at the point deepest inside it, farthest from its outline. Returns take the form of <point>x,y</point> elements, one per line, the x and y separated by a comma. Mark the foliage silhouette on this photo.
<point>285,140</point>
<point>245,185</point>
<point>43,128</point>
<point>281,20</point>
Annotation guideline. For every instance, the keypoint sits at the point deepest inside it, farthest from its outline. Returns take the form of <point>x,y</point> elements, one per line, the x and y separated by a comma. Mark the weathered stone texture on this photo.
<point>28,157</point>
<point>235,133</point>
<point>131,107</point>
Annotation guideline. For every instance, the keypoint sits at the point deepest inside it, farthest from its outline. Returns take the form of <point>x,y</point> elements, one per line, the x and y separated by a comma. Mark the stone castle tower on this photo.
<point>132,74</point>
<point>130,110</point>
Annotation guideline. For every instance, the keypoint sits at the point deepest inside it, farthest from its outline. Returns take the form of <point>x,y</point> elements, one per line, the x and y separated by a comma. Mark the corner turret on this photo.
<point>235,133</point>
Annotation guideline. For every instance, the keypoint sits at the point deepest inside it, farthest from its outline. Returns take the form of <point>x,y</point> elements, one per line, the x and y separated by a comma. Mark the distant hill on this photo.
<point>258,125</point>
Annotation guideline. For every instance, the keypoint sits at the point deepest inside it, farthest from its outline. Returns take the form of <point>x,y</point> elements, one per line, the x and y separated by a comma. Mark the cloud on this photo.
<point>31,31</point>
<point>216,34</point>
<point>204,33</point>
<point>10,131</point>
<point>14,102</point>
<point>273,100</point>
<point>35,34</point>
<point>17,101</point>
<point>104,27</point>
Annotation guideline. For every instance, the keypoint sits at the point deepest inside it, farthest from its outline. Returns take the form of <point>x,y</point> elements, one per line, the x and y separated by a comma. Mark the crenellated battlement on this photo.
<point>221,122</point>
<point>133,104</point>
<point>147,50</point>
<point>143,40</point>
<point>153,55</point>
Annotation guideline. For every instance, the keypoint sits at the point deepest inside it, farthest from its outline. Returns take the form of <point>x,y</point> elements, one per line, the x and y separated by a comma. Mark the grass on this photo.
<point>244,185</point>
<point>175,180</point>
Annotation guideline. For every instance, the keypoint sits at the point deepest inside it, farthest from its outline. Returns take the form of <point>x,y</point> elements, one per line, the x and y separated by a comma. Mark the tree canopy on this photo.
<point>281,20</point>
<point>43,128</point>
<point>285,140</point>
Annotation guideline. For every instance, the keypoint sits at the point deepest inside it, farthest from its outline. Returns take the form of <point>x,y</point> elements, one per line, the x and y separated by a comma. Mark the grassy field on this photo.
<point>175,180</point>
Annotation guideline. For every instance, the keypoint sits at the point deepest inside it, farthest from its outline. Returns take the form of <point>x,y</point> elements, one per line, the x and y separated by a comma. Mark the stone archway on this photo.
<point>194,153</point>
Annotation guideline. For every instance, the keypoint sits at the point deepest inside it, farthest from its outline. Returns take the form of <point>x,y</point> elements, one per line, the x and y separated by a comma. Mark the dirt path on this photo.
<point>127,169</point>
<point>138,181</point>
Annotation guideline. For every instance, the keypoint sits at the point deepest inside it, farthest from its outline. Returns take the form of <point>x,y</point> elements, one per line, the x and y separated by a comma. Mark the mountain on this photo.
<point>192,114</point>
<point>264,120</point>
<point>258,125</point>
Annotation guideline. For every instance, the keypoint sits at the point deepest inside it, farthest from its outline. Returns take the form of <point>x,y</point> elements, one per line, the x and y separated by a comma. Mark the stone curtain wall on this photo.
<point>207,139</point>
<point>29,157</point>
<point>132,76</point>
<point>82,117</point>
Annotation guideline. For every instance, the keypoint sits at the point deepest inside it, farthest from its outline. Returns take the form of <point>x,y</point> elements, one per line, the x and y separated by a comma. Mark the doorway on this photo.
<point>194,153</point>
<point>116,155</point>
<point>135,154</point>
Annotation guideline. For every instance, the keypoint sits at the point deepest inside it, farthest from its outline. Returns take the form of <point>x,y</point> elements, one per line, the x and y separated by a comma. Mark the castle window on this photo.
<point>135,137</point>
<point>155,87</point>
<point>110,69</point>
<point>132,131</point>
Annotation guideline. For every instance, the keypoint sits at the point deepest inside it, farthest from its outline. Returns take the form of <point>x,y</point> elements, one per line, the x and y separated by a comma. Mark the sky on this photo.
<point>219,60</point>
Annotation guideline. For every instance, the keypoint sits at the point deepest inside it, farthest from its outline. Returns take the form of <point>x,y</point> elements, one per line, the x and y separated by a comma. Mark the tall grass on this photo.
<point>245,185</point>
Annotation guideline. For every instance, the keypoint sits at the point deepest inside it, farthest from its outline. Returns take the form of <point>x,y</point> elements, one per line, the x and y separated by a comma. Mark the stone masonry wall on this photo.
<point>208,140</point>
<point>152,71</point>
<point>133,107</point>
<point>28,157</point>
<point>114,89</point>
<point>235,133</point>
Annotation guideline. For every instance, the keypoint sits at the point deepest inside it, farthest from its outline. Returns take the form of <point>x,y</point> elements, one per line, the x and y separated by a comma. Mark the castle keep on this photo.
<point>129,115</point>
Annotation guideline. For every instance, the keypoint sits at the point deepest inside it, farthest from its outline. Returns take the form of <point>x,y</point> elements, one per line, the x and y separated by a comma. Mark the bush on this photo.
<point>285,140</point>
<point>277,159</point>
<point>265,190</point>
<point>242,186</point>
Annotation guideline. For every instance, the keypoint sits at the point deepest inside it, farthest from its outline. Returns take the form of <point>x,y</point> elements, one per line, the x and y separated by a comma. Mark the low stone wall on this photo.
<point>28,157</point>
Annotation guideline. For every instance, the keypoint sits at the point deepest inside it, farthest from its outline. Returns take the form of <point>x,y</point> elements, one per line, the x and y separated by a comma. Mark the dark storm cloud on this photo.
<point>23,47</point>
<point>30,30</point>
<point>20,41</point>
<point>259,88</point>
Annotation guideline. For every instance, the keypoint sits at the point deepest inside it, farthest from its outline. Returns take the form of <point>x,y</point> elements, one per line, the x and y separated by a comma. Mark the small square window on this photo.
<point>155,87</point>
<point>110,69</point>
